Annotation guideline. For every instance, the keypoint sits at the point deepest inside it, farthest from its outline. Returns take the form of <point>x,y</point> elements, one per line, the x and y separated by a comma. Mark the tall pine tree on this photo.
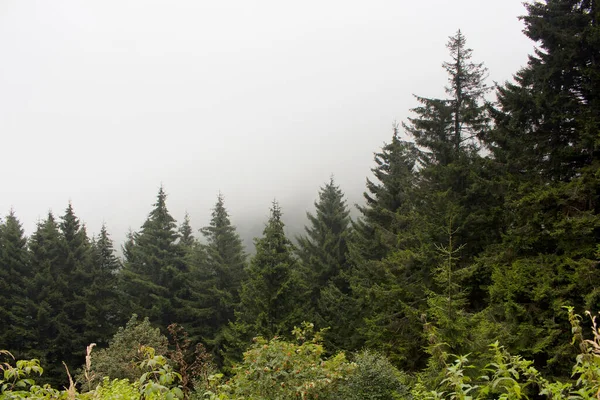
<point>48,288</point>
<point>271,300</point>
<point>103,301</point>
<point>323,253</point>
<point>154,268</point>
<point>220,275</point>
<point>16,322</point>
<point>546,139</point>
<point>76,252</point>
<point>383,279</point>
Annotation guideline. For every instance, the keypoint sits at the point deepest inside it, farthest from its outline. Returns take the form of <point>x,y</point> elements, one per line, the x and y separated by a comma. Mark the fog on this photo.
<point>101,102</point>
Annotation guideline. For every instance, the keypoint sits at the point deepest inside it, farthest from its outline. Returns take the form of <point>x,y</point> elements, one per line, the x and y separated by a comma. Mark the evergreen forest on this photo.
<point>475,253</point>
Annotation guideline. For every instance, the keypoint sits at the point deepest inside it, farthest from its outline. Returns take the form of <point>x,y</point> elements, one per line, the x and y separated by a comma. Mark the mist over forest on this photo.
<point>456,258</point>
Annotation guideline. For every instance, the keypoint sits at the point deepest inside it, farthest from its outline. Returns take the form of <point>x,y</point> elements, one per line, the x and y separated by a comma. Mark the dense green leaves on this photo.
<point>153,272</point>
<point>480,222</point>
<point>218,270</point>
<point>16,328</point>
<point>271,301</point>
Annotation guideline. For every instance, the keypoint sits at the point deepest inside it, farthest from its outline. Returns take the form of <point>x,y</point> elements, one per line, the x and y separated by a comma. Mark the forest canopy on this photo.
<point>480,226</point>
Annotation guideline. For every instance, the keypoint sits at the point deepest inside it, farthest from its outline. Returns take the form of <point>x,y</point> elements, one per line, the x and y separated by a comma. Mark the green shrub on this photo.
<point>120,360</point>
<point>276,369</point>
<point>116,389</point>
<point>374,378</point>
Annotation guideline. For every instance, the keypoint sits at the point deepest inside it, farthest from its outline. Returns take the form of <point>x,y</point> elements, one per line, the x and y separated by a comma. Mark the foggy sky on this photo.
<point>103,101</point>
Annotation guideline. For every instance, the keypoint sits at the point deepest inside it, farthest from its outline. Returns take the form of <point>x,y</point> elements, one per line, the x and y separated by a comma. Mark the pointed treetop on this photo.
<point>161,198</point>
<point>185,232</point>
<point>465,77</point>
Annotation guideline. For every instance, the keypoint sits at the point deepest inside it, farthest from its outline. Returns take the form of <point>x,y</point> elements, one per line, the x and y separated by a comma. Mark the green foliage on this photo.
<point>59,257</point>
<point>103,301</point>
<point>154,273</point>
<point>117,389</point>
<point>158,380</point>
<point>276,369</point>
<point>546,141</point>
<point>323,254</point>
<point>513,377</point>
<point>218,270</point>
<point>382,266</point>
<point>271,298</point>
<point>374,378</point>
<point>119,360</point>
<point>17,331</point>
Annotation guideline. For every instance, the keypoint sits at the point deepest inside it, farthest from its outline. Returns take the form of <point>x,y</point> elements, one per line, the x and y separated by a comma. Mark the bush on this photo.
<point>120,360</point>
<point>276,369</point>
<point>374,378</point>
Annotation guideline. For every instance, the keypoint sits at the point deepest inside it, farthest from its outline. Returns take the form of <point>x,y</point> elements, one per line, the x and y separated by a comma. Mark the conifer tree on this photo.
<point>48,287</point>
<point>323,253</point>
<point>219,275</point>
<point>445,128</point>
<point>186,233</point>
<point>154,271</point>
<point>546,139</point>
<point>375,233</point>
<point>103,303</point>
<point>270,299</point>
<point>456,181</point>
<point>323,250</point>
<point>381,260</point>
<point>16,326</point>
<point>76,274</point>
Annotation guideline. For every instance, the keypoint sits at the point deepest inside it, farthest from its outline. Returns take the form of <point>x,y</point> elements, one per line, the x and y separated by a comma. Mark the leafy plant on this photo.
<point>120,360</point>
<point>373,378</point>
<point>276,369</point>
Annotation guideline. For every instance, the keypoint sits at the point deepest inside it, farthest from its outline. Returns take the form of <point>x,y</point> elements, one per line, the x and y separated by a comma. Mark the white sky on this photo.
<point>102,101</point>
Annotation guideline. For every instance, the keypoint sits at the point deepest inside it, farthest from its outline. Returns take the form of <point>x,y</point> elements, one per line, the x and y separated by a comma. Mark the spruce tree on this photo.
<point>154,268</point>
<point>395,174</point>
<point>16,325</point>
<point>445,128</point>
<point>383,277</point>
<point>219,275</point>
<point>323,253</point>
<point>270,299</point>
<point>48,288</point>
<point>103,301</point>
<point>456,181</point>
<point>186,233</point>
<point>546,139</point>
<point>76,270</point>
<point>323,250</point>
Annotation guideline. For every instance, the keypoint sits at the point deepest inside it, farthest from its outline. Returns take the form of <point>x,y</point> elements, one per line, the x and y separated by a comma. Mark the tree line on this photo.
<point>481,222</point>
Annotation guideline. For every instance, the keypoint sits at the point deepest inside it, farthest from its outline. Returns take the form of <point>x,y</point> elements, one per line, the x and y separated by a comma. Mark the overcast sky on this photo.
<point>102,101</point>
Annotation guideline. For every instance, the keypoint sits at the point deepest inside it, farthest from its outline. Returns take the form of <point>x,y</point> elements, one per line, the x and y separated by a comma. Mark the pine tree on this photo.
<point>219,275</point>
<point>154,271</point>
<point>103,301</point>
<point>186,233</point>
<point>76,272</point>
<point>375,233</point>
<point>47,289</point>
<point>382,266</point>
<point>546,139</point>
<point>270,299</point>
<point>323,250</point>
<point>445,128</point>
<point>323,253</point>
<point>456,182</point>
<point>447,300</point>
<point>16,327</point>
